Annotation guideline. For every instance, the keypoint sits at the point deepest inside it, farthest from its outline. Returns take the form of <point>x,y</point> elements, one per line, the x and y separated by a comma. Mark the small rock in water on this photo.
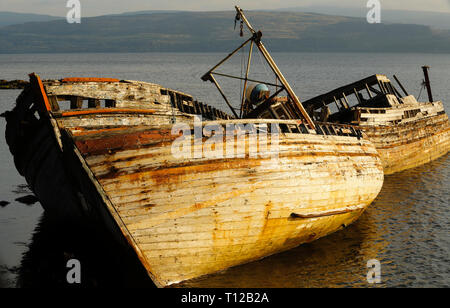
<point>3,203</point>
<point>22,189</point>
<point>13,84</point>
<point>28,200</point>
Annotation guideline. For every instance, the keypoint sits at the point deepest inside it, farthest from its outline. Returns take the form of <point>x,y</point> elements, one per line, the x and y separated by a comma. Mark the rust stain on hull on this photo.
<point>196,217</point>
<point>109,144</point>
<point>423,142</point>
<point>406,133</point>
<point>188,217</point>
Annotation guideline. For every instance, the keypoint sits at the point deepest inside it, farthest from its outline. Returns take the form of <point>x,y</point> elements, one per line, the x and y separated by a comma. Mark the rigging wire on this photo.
<point>421,89</point>
<point>264,65</point>
<point>242,72</point>
<point>267,70</point>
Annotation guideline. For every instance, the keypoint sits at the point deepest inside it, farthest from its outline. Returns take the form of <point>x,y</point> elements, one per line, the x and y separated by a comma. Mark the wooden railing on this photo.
<point>296,127</point>
<point>338,130</point>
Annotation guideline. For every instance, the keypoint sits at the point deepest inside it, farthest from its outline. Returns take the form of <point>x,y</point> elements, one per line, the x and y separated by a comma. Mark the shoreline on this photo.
<point>13,84</point>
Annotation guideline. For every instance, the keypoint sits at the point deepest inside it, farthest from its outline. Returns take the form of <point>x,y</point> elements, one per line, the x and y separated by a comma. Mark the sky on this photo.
<point>102,7</point>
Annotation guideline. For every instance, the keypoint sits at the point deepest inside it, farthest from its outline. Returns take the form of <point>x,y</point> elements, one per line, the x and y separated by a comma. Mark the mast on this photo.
<point>427,82</point>
<point>274,67</point>
<point>256,40</point>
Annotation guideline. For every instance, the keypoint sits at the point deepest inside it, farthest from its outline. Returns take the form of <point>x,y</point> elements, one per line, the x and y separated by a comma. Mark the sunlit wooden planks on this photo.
<point>194,217</point>
<point>411,144</point>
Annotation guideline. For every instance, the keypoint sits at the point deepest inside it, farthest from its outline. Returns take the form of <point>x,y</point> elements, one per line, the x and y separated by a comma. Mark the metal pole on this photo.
<point>427,82</point>
<point>246,77</point>
<point>241,78</point>
<point>223,95</point>
<point>401,86</point>
<point>275,68</point>
<point>205,77</point>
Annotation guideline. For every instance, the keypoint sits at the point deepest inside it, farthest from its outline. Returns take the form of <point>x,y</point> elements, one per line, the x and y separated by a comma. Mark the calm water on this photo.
<point>406,228</point>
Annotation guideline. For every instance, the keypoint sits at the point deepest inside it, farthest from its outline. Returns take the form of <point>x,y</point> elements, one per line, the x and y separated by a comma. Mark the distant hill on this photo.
<point>10,18</point>
<point>433,19</point>
<point>214,31</point>
<point>148,12</point>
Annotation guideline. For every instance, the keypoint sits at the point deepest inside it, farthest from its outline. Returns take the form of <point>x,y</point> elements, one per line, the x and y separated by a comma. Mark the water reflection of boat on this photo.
<point>338,260</point>
<point>104,263</point>
<point>109,155</point>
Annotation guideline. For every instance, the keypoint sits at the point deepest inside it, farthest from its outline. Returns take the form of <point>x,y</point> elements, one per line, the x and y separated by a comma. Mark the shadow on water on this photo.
<point>27,197</point>
<point>104,263</point>
<point>4,281</point>
<point>28,200</point>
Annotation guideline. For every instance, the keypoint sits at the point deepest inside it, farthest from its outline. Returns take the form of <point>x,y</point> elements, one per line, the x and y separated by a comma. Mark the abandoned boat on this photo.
<point>189,198</point>
<point>406,133</point>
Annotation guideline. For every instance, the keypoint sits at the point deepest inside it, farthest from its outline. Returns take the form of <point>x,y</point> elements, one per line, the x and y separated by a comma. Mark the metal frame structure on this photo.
<point>255,40</point>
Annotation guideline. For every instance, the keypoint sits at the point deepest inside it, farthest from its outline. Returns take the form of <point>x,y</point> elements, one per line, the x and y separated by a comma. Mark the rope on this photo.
<point>420,93</point>
<point>242,74</point>
<point>264,64</point>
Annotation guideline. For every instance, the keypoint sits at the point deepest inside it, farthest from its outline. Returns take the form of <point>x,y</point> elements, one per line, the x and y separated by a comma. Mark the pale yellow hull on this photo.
<point>411,144</point>
<point>191,217</point>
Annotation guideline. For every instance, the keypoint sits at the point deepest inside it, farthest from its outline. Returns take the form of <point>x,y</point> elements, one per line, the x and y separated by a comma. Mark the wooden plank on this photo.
<point>76,102</point>
<point>93,103</point>
<point>368,91</point>
<point>345,101</point>
<point>106,111</point>
<point>110,103</point>
<point>53,103</point>
<point>84,79</point>
<point>210,113</point>
<point>329,97</point>
<point>189,235</point>
<point>178,102</point>
<point>203,110</point>
<point>38,86</point>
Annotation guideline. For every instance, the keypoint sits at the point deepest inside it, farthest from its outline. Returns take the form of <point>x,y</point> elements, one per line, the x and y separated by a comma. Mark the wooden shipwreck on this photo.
<point>406,133</point>
<point>103,149</point>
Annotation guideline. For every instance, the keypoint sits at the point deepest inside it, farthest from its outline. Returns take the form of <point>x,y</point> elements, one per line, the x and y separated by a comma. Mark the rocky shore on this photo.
<point>13,84</point>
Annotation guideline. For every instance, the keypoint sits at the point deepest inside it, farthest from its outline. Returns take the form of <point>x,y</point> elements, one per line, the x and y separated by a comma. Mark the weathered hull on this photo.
<point>411,144</point>
<point>407,133</point>
<point>188,218</point>
<point>39,160</point>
